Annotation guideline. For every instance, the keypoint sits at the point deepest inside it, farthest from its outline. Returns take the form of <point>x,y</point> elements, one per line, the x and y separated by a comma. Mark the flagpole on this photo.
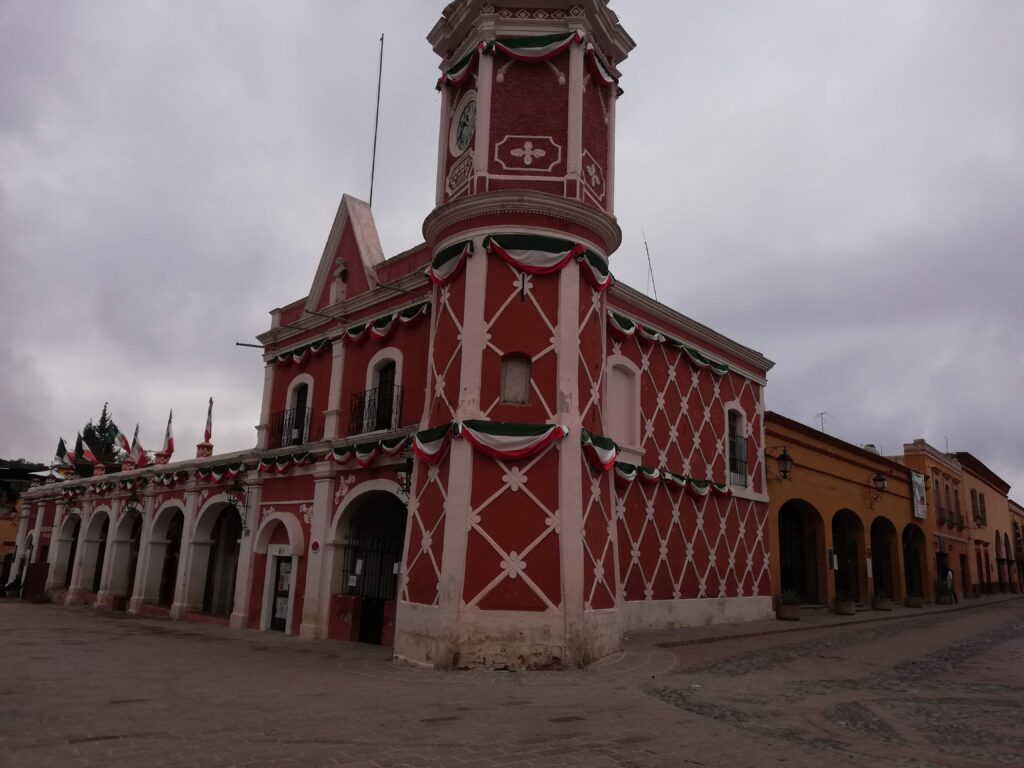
<point>376,119</point>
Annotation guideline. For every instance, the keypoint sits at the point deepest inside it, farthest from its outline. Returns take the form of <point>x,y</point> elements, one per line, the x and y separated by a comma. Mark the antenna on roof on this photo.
<point>376,119</point>
<point>821,418</point>
<point>650,268</point>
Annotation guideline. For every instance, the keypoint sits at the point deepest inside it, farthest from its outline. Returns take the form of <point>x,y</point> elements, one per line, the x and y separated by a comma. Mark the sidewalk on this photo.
<point>809,620</point>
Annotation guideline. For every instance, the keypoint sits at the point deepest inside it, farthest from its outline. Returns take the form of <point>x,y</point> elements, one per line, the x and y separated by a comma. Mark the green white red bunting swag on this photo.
<point>364,454</point>
<point>299,355</point>
<point>503,440</point>
<point>533,254</point>
<point>627,473</point>
<point>624,473</point>
<point>459,72</point>
<point>430,444</point>
<point>598,71</point>
<point>534,49</point>
<point>447,265</point>
<point>383,327</point>
<point>622,328</point>
<point>601,452</point>
<point>529,49</point>
<point>278,465</point>
<point>219,474</point>
<point>594,269</point>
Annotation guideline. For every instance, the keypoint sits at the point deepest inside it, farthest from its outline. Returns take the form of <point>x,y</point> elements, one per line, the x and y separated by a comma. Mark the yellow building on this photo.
<point>946,522</point>
<point>840,520</point>
<point>992,562</point>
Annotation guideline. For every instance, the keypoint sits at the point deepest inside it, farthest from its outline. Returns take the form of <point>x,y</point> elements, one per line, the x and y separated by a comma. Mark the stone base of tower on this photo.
<point>503,639</point>
<point>697,612</point>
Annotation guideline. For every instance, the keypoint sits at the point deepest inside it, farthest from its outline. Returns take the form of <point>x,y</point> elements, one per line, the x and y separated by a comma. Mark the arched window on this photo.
<point>383,413</point>
<point>737,448</point>
<point>622,414</point>
<point>297,427</point>
<point>515,379</point>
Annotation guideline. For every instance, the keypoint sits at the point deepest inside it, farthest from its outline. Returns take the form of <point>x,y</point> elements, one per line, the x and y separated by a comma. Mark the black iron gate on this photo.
<point>370,572</point>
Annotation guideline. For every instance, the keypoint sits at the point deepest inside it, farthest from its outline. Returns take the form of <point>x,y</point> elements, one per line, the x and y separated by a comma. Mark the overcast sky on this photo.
<point>837,185</point>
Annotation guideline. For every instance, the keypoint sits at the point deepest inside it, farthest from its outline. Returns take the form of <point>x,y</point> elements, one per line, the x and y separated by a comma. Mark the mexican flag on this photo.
<point>120,439</point>
<point>64,457</point>
<point>87,453</point>
<point>169,436</point>
<point>208,433</point>
<point>137,454</point>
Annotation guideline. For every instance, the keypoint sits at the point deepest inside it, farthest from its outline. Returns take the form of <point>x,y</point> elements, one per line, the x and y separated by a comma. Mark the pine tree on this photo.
<point>98,436</point>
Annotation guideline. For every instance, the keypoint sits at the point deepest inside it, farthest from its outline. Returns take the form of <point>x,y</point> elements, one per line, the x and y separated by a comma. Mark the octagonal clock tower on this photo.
<point>503,509</point>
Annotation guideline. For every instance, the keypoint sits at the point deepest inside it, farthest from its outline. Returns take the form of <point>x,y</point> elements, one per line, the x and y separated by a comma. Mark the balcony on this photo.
<point>293,427</point>
<point>375,410</point>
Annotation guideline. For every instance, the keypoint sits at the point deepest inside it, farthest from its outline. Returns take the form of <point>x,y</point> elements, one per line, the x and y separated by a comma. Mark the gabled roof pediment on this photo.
<point>354,243</point>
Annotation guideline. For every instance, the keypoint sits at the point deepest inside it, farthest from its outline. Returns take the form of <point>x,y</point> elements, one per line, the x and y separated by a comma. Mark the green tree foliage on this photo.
<point>100,438</point>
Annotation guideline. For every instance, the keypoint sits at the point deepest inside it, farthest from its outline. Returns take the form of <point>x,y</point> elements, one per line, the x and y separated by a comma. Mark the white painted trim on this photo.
<point>388,486</point>
<point>295,383</point>
<point>635,440</point>
<point>737,407</point>
<point>296,541</point>
<point>388,354</point>
<point>275,552</point>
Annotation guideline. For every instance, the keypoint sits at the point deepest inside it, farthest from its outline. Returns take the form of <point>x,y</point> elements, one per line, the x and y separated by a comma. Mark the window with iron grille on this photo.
<point>737,449</point>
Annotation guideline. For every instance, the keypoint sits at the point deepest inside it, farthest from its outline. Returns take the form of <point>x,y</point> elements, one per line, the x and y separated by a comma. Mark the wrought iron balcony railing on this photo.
<point>293,427</point>
<point>375,410</point>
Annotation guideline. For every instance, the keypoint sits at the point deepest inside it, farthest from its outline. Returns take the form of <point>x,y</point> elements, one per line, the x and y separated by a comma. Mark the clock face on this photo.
<point>464,126</point>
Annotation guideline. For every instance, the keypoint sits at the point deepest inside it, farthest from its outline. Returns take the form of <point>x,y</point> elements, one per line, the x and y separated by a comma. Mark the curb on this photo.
<point>839,623</point>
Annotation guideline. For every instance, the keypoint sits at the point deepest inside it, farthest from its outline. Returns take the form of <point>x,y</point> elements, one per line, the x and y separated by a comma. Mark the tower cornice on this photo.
<point>519,203</point>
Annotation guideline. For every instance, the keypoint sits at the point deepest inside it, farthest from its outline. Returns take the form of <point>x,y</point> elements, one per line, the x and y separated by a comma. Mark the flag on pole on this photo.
<point>137,453</point>
<point>169,436</point>
<point>119,438</point>
<point>209,423</point>
<point>87,453</point>
<point>63,457</point>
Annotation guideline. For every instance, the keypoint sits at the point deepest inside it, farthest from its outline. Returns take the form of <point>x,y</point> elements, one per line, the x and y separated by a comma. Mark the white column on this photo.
<point>482,146</point>
<point>181,581</point>
<point>315,603</point>
<point>243,576</point>
<point>55,548</point>
<point>76,571</point>
<point>37,532</point>
<point>263,430</point>
<point>111,552</point>
<point>574,151</point>
<point>137,598</point>
<point>570,463</point>
<point>333,413</point>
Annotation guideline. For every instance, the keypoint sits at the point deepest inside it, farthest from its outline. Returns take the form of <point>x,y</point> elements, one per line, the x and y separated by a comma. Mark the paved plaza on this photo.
<point>920,689</point>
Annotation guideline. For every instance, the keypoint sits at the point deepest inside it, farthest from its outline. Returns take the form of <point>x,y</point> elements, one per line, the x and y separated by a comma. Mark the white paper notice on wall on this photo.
<point>835,562</point>
<point>868,561</point>
<point>395,569</point>
<point>352,580</point>
<point>359,567</point>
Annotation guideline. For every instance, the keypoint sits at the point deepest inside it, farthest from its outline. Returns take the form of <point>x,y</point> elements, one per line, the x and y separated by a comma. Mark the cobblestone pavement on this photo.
<point>79,688</point>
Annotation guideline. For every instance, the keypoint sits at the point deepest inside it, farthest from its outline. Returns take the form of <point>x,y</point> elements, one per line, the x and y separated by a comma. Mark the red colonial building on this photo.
<point>482,451</point>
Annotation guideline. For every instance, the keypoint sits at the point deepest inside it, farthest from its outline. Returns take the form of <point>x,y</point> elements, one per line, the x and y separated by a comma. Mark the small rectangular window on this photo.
<point>515,379</point>
<point>737,450</point>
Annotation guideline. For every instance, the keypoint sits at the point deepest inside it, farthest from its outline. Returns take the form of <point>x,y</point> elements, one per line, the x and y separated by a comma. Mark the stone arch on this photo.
<point>849,551</point>
<point>802,551</point>
<point>124,552</point>
<point>65,548</point>
<point>886,570</point>
<point>213,564</point>
<point>915,553</point>
<point>365,551</point>
<point>296,539</point>
<point>163,554</point>
<point>278,547</point>
<point>94,548</point>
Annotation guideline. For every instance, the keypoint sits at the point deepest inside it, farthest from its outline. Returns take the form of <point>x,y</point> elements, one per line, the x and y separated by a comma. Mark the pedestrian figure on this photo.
<point>948,580</point>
